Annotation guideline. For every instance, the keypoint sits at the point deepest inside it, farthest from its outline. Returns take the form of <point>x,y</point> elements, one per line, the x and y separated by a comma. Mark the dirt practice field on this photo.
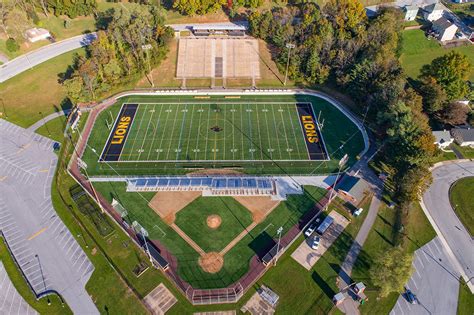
<point>260,206</point>
<point>218,58</point>
<point>167,203</point>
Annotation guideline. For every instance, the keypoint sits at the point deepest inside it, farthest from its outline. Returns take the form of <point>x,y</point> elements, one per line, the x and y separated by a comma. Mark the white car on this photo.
<point>312,226</point>
<point>358,212</point>
<point>315,242</point>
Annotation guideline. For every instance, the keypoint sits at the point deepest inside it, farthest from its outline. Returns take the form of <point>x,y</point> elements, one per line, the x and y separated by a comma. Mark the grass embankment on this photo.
<point>418,51</point>
<point>461,196</point>
<point>465,299</point>
<point>41,305</point>
<point>35,90</point>
<point>54,129</point>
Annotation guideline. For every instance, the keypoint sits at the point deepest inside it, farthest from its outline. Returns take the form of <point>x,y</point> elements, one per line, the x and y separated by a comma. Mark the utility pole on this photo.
<point>342,162</point>
<point>45,124</point>
<point>289,46</point>
<point>279,231</point>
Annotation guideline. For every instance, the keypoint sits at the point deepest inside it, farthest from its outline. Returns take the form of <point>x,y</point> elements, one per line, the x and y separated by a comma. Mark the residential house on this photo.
<point>36,34</point>
<point>445,29</point>
<point>443,138</point>
<point>433,12</point>
<point>463,136</point>
<point>411,12</point>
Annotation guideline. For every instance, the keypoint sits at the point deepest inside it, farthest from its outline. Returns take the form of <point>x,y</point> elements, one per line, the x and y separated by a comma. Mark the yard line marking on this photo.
<point>224,134</point>
<point>251,137</point>
<point>172,132</point>
<point>154,131</point>
<point>268,134</point>
<point>207,131</point>
<point>164,130</point>
<point>37,233</point>
<point>201,110</point>
<point>242,130</point>
<point>302,133</point>
<point>180,135</point>
<point>233,132</point>
<point>215,139</point>
<point>146,133</point>
<point>284,128</point>
<point>137,132</point>
<point>276,131</point>
<point>259,136</point>
<point>190,130</point>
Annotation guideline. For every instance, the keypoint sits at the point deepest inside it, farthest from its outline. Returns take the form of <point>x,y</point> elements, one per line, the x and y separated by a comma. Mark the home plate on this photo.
<point>306,256</point>
<point>160,300</point>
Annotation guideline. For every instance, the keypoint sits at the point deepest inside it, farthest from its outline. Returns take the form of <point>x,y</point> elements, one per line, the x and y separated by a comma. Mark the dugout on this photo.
<point>216,30</point>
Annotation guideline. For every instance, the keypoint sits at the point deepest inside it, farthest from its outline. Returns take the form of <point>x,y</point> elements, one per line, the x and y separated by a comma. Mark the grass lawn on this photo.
<point>24,290</point>
<point>467,152</point>
<point>418,50</point>
<point>444,156</point>
<point>35,90</point>
<point>54,129</point>
<point>382,237</point>
<point>465,299</point>
<point>192,220</point>
<point>461,196</point>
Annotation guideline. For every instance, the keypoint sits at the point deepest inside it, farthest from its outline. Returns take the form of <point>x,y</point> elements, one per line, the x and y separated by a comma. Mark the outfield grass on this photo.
<point>236,260</point>
<point>338,140</point>
<point>417,51</point>
<point>192,220</point>
<point>24,290</point>
<point>35,90</point>
<point>465,299</point>
<point>461,196</point>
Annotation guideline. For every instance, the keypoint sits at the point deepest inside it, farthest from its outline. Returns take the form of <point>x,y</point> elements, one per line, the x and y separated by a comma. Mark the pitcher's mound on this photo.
<point>211,262</point>
<point>214,221</point>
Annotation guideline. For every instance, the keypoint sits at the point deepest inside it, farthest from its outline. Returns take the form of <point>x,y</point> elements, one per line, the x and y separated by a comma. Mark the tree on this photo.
<point>413,183</point>
<point>200,7</point>
<point>12,45</point>
<point>434,96</point>
<point>451,72</point>
<point>391,271</point>
<point>454,113</point>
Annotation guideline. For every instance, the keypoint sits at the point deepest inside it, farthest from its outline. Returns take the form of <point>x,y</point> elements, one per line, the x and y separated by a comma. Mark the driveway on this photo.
<point>434,281</point>
<point>31,59</point>
<point>453,235</point>
<point>46,252</point>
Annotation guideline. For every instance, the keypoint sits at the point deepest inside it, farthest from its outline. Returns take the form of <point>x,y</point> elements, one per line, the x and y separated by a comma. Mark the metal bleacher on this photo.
<point>208,185</point>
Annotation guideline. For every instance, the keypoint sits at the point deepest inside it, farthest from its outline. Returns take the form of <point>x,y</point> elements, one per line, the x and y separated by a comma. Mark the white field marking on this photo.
<point>268,226</point>
<point>302,133</point>
<point>224,134</point>
<point>190,129</point>
<point>130,133</point>
<point>181,134</point>
<point>251,136</point>
<point>241,131</point>
<point>172,133</point>
<point>146,132</point>
<point>417,273</point>
<point>276,132</point>
<point>233,132</point>
<point>259,136</point>
<point>437,246</point>
<point>293,130</point>
<point>414,283</point>
<point>164,130</point>
<point>207,131</point>
<point>268,134</point>
<point>201,110</point>
<point>154,132</point>
<point>280,110</point>
<point>157,227</point>
<point>420,259</point>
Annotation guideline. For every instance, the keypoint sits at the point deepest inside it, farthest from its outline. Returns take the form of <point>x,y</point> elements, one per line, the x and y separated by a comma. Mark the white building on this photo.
<point>36,34</point>
<point>442,138</point>
<point>445,29</point>
<point>433,12</point>
<point>411,12</point>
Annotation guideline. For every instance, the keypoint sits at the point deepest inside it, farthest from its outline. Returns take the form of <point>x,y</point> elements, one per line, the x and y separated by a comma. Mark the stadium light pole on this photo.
<point>342,162</point>
<point>279,231</point>
<point>289,46</point>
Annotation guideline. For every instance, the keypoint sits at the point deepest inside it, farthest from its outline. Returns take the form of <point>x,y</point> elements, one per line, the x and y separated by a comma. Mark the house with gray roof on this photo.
<point>444,29</point>
<point>463,136</point>
<point>433,12</point>
<point>352,189</point>
<point>443,138</point>
<point>411,11</point>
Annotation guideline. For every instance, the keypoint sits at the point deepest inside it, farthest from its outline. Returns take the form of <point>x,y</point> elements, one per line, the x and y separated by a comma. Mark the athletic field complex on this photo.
<point>201,173</point>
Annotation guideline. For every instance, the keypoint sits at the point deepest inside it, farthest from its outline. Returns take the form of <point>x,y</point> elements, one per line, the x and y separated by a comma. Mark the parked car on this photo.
<point>358,212</point>
<point>315,242</point>
<point>312,226</point>
<point>411,298</point>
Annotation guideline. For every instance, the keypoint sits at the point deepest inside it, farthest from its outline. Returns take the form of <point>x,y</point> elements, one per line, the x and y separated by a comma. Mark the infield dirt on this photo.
<point>167,203</point>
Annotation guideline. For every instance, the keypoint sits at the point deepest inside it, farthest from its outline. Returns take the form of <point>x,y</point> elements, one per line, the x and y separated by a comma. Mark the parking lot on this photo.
<point>434,282</point>
<point>306,256</point>
<point>47,253</point>
<point>11,301</point>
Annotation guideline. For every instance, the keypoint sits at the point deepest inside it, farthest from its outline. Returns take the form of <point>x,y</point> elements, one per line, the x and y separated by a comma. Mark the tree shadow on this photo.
<point>323,285</point>
<point>262,244</point>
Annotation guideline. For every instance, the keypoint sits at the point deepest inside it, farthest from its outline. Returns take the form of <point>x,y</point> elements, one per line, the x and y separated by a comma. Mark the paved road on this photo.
<point>47,253</point>
<point>31,59</point>
<point>434,281</point>
<point>11,302</point>
<point>454,236</point>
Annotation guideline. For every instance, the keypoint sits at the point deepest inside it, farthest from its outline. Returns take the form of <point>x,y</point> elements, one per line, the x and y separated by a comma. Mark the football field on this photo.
<point>224,132</point>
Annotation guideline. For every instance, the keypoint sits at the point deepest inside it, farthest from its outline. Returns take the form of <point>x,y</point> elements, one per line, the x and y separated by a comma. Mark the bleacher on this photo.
<point>210,186</point>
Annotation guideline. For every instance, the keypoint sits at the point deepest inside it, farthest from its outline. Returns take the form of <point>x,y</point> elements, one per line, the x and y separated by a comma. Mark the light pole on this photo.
<point>289,46</point>
<point>279,231</point>
<point>342,162</point>
<point>143,232</point>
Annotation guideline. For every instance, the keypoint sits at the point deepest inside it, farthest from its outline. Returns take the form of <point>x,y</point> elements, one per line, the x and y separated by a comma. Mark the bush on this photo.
<point>12,45</point>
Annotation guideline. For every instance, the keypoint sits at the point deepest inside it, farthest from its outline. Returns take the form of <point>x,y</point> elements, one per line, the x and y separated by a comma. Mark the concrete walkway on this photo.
<point>48,118</point>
